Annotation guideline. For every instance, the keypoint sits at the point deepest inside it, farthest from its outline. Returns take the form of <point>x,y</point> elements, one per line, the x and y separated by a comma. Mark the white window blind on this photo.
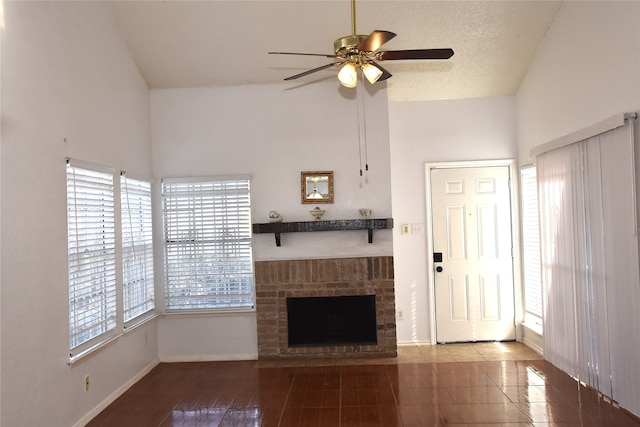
<point>531,247</point>
<point>207,231</point>
<point>137,248</point>
<point>91,255</point>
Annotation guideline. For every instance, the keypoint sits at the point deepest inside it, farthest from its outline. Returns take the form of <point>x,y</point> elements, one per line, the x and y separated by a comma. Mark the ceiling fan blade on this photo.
<point>307,54</point>
<point>306,73</point>
<point>385,74</point>
<point>390,55</point>
<point>375,40</point>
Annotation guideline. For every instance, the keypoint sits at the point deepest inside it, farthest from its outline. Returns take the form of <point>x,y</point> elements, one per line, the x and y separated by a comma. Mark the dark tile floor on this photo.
<point>496,384</point>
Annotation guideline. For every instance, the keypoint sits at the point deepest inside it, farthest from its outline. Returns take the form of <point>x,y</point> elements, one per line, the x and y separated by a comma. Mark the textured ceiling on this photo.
<point>219,43</point>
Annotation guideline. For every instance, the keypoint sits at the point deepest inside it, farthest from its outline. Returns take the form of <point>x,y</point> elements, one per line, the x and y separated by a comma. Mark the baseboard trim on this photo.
<point>533,346</point>
<point>209,358</point>
<point>116,394</point>
<point>413,343</point>
<point>532,339</point>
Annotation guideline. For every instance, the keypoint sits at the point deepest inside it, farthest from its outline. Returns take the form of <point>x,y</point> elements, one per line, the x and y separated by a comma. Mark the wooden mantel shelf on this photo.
<point>336,225</point>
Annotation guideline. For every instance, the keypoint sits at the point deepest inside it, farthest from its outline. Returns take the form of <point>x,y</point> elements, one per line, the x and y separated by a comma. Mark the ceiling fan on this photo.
<point>358,51</point>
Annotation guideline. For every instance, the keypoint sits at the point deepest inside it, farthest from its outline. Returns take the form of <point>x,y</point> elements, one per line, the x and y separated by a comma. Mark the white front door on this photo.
<point>471,212</point>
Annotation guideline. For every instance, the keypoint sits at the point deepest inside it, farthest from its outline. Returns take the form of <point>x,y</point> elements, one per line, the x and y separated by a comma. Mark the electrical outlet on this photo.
<point>417,228</point>
<point>86,383</point>
<point>400,314</point>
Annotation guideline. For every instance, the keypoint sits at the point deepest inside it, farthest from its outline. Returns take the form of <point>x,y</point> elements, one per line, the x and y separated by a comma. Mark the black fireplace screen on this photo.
<point>321,321</point>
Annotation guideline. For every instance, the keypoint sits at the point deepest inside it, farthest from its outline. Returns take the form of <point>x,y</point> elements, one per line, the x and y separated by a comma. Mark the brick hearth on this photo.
<point>278,280</point>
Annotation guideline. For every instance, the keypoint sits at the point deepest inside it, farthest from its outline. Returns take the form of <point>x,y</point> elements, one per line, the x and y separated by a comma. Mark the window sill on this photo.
<point>202,313</point>
<point>137,322</point>
<point>109,340</point>
<point>94,349</point>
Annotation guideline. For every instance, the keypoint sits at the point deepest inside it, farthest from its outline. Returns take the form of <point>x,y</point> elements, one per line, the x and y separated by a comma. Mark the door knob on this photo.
<point>439,269</point>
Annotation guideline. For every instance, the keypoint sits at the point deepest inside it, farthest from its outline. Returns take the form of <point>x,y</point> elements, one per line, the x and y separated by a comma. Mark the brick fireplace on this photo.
<point>277,281</point>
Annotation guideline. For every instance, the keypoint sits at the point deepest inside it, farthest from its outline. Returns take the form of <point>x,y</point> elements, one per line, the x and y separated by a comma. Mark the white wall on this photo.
<point>69,88</point>
<point>429,132</point>
<point>272,132</point>
<point>193,337</point>
<point>586,69</point>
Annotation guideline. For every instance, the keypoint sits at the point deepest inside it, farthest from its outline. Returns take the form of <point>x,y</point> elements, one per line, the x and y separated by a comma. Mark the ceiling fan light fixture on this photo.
<point>348,76</point>
<point>371,72</point>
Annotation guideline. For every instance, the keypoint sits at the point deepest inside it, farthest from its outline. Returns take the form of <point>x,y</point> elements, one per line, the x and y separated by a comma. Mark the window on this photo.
<point>97,313</point>
<point>207,234</point>
<point>137,248</point>
<point>531,248</point>
<point>91,255</point>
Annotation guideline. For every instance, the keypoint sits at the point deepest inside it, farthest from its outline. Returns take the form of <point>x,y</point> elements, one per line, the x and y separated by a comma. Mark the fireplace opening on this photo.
<point>342,320</point>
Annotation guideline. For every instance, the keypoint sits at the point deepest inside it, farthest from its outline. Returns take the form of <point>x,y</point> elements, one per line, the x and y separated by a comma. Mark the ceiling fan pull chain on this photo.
<point>359,128</point>
<point>364,125</point>
<point>362,121</point>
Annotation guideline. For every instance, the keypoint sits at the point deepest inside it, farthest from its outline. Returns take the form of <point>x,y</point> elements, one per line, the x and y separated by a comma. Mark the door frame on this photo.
<point>515,237</point>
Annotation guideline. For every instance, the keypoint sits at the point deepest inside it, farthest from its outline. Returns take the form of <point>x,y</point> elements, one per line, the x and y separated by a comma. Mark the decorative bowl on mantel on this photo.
<point>365,213</point>
<point>275,217</point>
<point>317,213</point>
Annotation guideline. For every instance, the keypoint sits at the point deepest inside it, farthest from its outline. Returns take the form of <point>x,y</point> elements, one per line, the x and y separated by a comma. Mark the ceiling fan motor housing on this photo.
<point>346,47</point>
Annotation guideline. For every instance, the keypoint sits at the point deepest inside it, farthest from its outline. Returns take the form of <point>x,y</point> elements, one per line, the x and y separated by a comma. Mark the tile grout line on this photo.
<point>340,398</point>
<point>286,400</point>
<point>395,397</point>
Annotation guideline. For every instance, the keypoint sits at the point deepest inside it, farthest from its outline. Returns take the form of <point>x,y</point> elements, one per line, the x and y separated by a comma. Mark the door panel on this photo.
<point>456,241</point>
<point>490,298</point>
<point>459,298</point>
<point>471,211</point>
<point>487,232</point>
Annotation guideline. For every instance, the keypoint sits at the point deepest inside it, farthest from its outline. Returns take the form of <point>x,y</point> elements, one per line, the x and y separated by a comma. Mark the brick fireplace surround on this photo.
<point>278,280</point>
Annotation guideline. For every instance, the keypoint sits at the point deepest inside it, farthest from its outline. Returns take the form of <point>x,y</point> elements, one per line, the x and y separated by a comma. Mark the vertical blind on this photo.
<point>137,247</point>
<point>561,228</point>
<point>91,254</point>
<point>591,274</point>
<point>207,235</point>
